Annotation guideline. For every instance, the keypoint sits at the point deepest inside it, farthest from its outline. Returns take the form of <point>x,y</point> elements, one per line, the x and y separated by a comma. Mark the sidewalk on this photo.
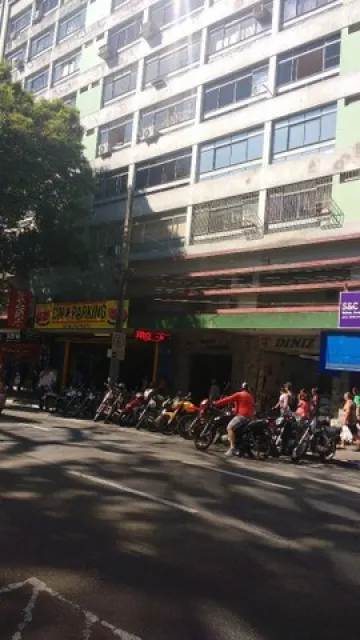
<point>348,457</point>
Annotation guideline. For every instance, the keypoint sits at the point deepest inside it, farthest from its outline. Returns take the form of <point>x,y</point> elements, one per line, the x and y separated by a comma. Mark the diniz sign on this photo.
<point>291,344</point>
<point>19,308</point>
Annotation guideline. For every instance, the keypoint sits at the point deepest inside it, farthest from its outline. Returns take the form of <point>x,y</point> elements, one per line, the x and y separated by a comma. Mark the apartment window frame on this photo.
<point>30,79</point>
<point>162,166</point>
<point>305,120</point>
<point>66,20</point>
<point>74,56</point>
<point>173,54</point>
<point>46,39</point>
<point>125,28</point>
<point>221,87</point>
<point>131,72</point>
<point>115,185</point>
<point>154,116</point>
<point>70,100</point>
<point>318,48</point>
<point>176,10</point>
<point>23,18</point>
<point>216,151</point>
<point>235,30</point>
<point>146,237</point>
<point>46,6</point>
<point>16,54</point>
<point>105,129</point>
<point>300,11</point>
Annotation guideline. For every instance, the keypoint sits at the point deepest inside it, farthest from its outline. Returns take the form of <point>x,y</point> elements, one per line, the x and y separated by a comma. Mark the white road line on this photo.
<point>124,489</point>
<point>236,474</point>
<point>37,426</point>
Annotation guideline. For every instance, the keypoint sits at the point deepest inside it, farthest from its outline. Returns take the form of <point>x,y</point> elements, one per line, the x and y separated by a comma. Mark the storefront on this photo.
<point>81,340</point>
<point>19,356</point>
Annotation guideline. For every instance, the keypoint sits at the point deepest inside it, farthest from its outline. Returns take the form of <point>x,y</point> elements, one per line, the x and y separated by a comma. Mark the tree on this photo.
<point>46,182</point>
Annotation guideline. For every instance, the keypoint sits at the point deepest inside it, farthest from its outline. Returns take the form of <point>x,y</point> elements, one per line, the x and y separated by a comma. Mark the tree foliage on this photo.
<point>45,180</point>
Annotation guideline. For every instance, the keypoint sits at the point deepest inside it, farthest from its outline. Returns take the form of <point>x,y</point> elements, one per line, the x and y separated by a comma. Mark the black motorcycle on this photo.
<point>149,415</point>
<point>253,439</point>
<point>285,436</point>
<point>317,437</point>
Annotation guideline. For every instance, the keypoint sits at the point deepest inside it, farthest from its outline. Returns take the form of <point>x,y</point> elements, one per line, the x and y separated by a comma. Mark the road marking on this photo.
<point>236,474</point>
<point>37,426</point>
<point>39,587</point>
<point>135,492</point>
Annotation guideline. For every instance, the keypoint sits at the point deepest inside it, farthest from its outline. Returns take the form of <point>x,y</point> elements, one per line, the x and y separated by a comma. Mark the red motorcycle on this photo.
<point>129,415</point>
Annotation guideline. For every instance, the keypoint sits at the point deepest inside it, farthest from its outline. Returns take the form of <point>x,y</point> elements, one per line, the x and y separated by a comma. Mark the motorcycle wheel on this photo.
<point>185,427</point>
<point>164,425</point>
<point>327,456</point>
<point>203,441</point>
<point>299,451</point>
<point>260,447</point>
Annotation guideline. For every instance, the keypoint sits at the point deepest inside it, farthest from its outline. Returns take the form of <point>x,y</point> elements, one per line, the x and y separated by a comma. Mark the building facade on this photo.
<point>236,124</point>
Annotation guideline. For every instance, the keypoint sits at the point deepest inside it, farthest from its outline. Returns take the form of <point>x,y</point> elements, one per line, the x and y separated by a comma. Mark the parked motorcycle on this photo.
<point>177,415</point>
<point>2,397</point>
<point>129,415</point>
<point>253,439</point>
<point>317,437</point>
<point>285,436</point>
<point>105,406</point>
<point>150,412</point>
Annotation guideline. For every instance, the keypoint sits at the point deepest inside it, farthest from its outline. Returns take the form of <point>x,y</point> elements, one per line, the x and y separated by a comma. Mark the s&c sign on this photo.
<point>349,310</point>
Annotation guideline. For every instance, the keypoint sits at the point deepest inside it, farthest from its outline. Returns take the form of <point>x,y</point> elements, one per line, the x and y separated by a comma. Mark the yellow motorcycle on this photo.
<point>176,416</point>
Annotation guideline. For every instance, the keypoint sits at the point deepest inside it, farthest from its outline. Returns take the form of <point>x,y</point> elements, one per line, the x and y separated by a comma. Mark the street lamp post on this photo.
<point>124,272</point>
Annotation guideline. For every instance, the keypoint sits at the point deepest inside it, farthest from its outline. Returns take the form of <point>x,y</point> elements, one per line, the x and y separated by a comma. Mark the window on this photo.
<point>306,129</point>
<point>235,89</point>
<point>112,184</point>
<point>232,32</point>
<point>233,151</point>
<point>115,134</point>
<point>160,234</point>
<point>349,176</point>
<point>220,219</point>
<point>295,8</point>
<point>307,61</point>
<point>37,82</point>
<point>164,170</point>
<point>16,58</point>
<point>18,23</point>
<point>45,6</point>
<point>71,24</point>
<point>168,11</point>
<point>41,43</point>
<point>70,100</point>
<point>175,59</point>
<point>66,67</point>
<point>117,3</point>
<point>119,84</point>
<point>294,204</point>
<point>125,34</point>
<point>169,114</point>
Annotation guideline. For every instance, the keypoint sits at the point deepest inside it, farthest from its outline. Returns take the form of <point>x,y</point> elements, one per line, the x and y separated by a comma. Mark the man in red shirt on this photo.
<point>244,411</point>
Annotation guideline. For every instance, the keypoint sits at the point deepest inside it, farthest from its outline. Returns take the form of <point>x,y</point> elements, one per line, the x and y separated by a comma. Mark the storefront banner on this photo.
<point>349,310</point>
<point>18,308</point>
<point>291,344</point>
<point>79,315</point>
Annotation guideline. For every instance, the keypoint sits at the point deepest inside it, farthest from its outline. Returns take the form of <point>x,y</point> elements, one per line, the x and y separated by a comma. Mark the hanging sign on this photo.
<point>19,308</point>
<point>78,315</point>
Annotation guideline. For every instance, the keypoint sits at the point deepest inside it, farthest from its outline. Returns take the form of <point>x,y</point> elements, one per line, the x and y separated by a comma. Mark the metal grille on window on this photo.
<point>227,218</point>
<point>303,204</point>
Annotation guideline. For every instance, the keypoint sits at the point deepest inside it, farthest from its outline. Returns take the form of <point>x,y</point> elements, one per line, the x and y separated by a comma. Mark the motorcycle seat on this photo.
<point>332,432</point>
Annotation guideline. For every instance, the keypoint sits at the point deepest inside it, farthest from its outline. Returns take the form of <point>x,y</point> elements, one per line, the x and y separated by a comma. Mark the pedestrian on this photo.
<point>349,428</point>
<point>214,392</point>
<point>315,402</point>
<point>47,381</point>
<point>292,401</point>
<point>303,408</point>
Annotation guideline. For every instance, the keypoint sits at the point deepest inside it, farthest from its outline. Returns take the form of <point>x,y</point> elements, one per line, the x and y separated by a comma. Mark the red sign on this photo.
<point>19,308</point>
<point>151,336</point>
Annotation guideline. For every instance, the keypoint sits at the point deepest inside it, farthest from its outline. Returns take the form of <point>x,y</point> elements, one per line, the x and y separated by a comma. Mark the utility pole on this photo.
<point>124,272</point>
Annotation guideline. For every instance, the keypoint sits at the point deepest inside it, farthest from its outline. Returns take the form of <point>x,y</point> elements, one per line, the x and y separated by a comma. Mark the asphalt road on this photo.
<point>114,534</point>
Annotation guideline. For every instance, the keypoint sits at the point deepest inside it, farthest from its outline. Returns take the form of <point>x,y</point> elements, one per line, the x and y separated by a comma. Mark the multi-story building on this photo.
<point>236,123</point>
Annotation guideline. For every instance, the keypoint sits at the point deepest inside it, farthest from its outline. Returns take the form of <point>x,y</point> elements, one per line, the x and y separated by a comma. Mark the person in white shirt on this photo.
<point>47,380</point>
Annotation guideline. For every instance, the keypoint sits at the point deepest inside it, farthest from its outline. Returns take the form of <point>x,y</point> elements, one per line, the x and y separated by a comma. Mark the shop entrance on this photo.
<point>204,367</point>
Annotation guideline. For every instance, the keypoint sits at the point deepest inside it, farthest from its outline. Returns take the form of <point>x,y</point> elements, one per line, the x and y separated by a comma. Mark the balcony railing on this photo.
<point>226,219</point>
<point>304,204</point>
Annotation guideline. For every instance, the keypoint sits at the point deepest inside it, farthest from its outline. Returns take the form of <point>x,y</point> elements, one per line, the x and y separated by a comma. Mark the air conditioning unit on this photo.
<point>149,30</point>
<point>19,64</point>
<point>38,15</point>
<point>159,83</point>
<point>104,150</point>
<point>262,13</point>
<point>106,52</point>
<point>150,134</point>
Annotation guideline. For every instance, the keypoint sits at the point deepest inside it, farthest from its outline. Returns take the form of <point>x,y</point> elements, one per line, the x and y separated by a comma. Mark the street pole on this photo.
<point>124,272</point>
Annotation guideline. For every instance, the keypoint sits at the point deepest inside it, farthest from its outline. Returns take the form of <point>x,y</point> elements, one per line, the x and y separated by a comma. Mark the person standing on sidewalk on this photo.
<point>349,428</point>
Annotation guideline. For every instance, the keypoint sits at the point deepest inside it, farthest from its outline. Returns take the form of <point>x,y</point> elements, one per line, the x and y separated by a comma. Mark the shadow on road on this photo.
<point>259,556</point>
